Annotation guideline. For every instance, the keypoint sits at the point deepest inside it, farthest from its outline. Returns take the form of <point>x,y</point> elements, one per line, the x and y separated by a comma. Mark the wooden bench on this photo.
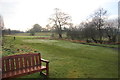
<point>23,64</point>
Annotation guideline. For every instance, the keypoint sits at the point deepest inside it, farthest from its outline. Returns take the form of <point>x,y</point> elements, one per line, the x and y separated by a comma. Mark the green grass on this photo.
<point>72,60</point>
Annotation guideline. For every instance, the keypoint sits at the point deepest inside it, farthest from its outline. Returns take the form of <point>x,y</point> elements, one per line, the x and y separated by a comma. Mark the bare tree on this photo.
<point>98,18</point>
<point>90,32</point>
<point>59,20</point>
<point>112,30</point>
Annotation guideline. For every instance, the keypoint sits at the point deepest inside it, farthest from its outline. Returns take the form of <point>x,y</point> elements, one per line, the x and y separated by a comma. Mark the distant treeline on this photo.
<point>10,32</point>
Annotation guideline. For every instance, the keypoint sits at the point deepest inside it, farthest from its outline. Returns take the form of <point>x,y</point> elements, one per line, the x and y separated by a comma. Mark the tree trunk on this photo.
<point>94,40</point>
<point>60,36</point>
<point>114,39</point>
<point>100,35</point>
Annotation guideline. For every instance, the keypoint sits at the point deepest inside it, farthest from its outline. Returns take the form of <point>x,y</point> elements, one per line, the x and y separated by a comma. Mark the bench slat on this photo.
<point>25,62</point>
<point>12,65</point>
<point>21,62</point>
<point>36,57</point>
<point>7,65</point>
<point>16,63</point>
<point>28,60</point>
<point>33,61</point>
<point>3,65</point>
<point>39,59</point>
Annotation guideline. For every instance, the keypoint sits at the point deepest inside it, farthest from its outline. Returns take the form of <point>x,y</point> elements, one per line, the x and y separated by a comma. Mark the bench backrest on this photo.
<point>21,61</point>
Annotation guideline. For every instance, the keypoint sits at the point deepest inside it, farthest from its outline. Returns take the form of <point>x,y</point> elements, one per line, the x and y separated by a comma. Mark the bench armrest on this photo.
<point>43,60</point>
<point>47,65</point>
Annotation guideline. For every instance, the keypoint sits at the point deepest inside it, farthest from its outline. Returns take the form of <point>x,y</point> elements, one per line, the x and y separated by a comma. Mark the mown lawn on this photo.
<point>70,60</point>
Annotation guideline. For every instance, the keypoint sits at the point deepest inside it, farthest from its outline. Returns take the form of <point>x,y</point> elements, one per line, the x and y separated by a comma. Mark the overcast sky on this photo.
<point>23,14</point>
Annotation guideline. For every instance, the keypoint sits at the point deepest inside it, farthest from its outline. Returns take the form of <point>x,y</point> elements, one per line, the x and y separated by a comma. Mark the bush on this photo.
<point>32,33</point>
